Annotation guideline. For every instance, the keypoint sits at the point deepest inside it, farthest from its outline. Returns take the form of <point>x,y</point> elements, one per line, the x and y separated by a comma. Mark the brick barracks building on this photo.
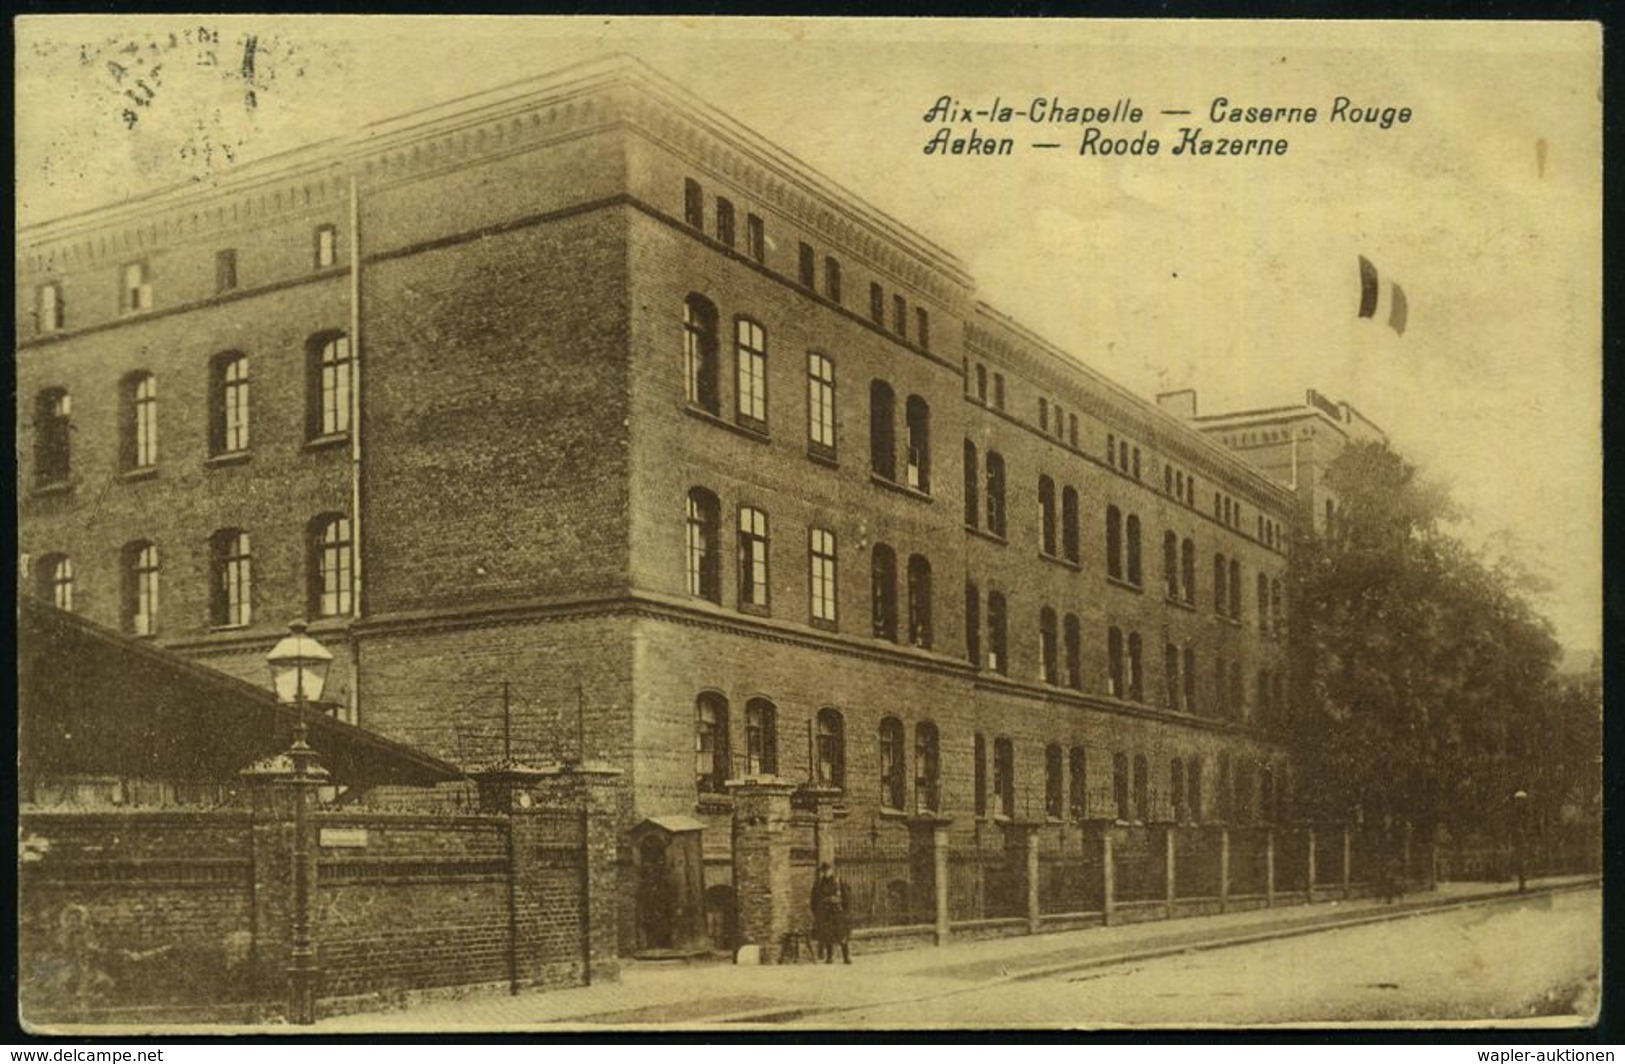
<point>583,422</point>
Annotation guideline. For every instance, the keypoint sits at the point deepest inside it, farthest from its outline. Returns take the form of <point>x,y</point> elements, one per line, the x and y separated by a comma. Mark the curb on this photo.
<point>1331,922</point>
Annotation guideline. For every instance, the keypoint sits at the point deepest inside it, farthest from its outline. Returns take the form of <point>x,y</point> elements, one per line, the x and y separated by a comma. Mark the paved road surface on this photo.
<point>1521,958</point>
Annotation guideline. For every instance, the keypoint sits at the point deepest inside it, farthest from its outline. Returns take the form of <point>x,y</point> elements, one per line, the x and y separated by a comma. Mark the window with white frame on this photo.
<point>821,575</point>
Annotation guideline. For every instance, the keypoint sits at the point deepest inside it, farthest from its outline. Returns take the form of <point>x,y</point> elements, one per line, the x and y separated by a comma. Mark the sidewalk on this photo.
<point>674,993</point>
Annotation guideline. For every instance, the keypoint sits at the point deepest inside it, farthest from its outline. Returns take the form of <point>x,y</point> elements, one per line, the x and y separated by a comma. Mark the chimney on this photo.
<point>1180,404</point>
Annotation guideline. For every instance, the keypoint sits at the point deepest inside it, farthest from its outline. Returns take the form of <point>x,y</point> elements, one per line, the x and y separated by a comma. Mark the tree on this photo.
<point>1419,663</point>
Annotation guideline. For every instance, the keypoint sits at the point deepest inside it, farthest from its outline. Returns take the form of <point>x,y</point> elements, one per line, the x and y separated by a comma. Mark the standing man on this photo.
<point>831,922</point>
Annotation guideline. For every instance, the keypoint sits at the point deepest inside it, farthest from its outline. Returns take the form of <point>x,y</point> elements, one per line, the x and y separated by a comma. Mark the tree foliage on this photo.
<point>1422,666</point>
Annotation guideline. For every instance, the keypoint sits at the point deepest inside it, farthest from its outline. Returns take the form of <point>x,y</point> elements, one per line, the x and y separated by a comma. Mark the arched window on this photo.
<point>820,404</point>
<point>973,487</point>
<point>981,383</point>
<point>53,580</point>
<point>1277,610</point>
<point>998,634</point>
<point>995,493</point>
<point>1244,811</point>
<point>140,598</point>
<point>1004,775</point>
<point>1047,646</point>
<point>1170,674</point>
<point>1054,783</point>
<point>1190,680</point>
<point>1069,525</point>
<point>750,357</point>
<point>1235,589</point>
<point>1170,564</point>
<point>1142,789</point>
<point>821,576</point>
<point>917,414</point>
<point>1114,663</point>
<point>891,763</point>
<point>327,407</point>
<point>52,437</point>
<point>138,436</point>
<point>927,768</point>
<point>831,748</point>
<point>49,309</point>
<point>1167,479</point>
<point>1238,697</point>
<point>1263,604</point>
<point>882,430</point>
<point>1122,455</point>
<point>326,246</point>
<point>1111,449</point>
<point>973,624</point>
<point>1120,786</point>
<point>228,403</point>
<point>328,563</point>
<point>1136,669</point>
<point>919,601</point>
<point>883,591</point>
<point>231,579</point>
<point>693,203</point>
<point>704,569</point>
<point>761,738</point>
<point>1221,687</point>
<point>1078,784</point>
<point>1176,790</point>
<point>1046,514</point>
<point>1227,793</point>
<point>1221,596</point>
<point>1073,640</point>
<point>753,583</point>
<point>711,743</point>
<point>725,221</point>
<point>1187,572</point>
<point>979,774</point>
<point>1135,576</point>
<point>1114,543</point>
<point>700,353</point>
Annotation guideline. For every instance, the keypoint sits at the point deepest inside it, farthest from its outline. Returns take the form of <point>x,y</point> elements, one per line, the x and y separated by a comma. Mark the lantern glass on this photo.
<point>298,666</point>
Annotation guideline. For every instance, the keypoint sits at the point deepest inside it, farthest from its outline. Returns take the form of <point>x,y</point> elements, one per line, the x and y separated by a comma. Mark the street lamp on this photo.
<point>1520,812</point>
<point>299,667</point>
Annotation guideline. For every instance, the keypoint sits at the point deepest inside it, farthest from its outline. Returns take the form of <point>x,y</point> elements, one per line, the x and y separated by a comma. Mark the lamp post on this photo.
<point>1520,812</point>
<point>298,672</point>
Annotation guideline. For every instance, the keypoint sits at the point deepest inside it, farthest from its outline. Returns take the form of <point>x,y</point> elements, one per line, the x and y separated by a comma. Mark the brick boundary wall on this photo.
<point>182,915</point>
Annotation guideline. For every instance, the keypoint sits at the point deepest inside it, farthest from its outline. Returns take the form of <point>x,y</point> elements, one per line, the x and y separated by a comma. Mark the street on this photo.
<point>1515,959</point>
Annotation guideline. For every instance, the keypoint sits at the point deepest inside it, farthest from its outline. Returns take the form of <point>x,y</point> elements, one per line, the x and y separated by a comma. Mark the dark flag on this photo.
<point>1397,309</point>
<point>1368,288</point>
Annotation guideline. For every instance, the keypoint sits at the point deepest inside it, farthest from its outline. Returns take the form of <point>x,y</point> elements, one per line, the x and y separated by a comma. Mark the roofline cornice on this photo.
<point>658,107</point>
<point>1110,401</point>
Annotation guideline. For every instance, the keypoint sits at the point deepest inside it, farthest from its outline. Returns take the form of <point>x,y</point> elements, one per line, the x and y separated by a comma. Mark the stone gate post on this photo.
<point>928,870</point>
<point>761,852</point>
